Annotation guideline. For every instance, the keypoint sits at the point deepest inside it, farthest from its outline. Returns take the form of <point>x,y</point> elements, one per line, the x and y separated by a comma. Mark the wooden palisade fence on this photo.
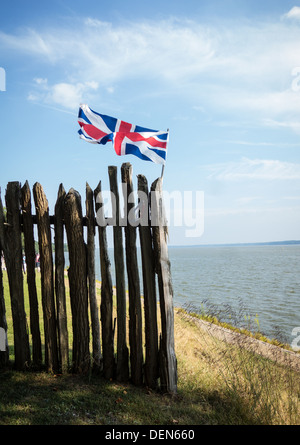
<point>155,365</point>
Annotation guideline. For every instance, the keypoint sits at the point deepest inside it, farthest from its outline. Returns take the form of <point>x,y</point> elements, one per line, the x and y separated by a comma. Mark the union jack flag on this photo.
<point>149,145</point>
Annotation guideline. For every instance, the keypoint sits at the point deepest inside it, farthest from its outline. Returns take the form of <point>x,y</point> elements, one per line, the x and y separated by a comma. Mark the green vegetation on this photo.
<point>218,384</point>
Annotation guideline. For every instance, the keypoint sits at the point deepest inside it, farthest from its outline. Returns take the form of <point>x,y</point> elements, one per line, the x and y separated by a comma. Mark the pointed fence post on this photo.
<point>60,290</point>
<point>90,215</point>
<point>78,281</point>
<point>30,253</point>
<point>12,247</point>
<point>122,349</point>
<point>106,291</point>
<point>135,311</point>
<point>168,362</point>
<point>47,282</point>
<point>150,303</point>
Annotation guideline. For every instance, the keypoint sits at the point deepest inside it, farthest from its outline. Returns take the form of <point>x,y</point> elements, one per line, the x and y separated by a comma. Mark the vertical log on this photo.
<point>106,293</point>
<point>97,356</point>
<point>60,291</point>
<point>30,261</point>
<point>122,373</point>
<point>78,281</point>
<point>150,304</point>
<point>47,283</point>
<point>13,257</point>
<point>135,313</point>
<point>168,362</point>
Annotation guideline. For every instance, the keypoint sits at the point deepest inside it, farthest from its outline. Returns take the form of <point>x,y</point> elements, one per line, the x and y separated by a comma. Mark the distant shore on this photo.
<point>266,243</point>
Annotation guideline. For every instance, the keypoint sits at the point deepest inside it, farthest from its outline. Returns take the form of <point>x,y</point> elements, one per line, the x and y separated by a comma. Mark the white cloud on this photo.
<point>168,48</point>
<point>293,13</point>
<point>30,42</point>
<point>171,49</point>
<point>278,103</point>
<point>244,68</point>
<point>264,143</point>
<point>291,124</point>
<point>63,94</point>
<point>66,94</point>
<point>254,169</point>
<point>253,210</point>
<point>247,199</point>
<point>40,81</point>
<point>292,198</point>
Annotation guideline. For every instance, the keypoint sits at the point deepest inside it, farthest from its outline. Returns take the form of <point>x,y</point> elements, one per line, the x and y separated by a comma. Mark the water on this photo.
<point>262,282</point>
<point>258,285</point>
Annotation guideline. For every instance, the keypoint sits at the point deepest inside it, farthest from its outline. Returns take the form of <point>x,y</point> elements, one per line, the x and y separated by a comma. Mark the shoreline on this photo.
<point>267,350</point>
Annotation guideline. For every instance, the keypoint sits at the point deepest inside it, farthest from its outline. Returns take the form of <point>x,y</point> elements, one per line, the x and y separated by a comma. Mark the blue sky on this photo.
<point>223,76</point>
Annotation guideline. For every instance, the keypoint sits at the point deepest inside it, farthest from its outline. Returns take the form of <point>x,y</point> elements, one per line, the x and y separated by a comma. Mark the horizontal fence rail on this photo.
<point>133,341</point>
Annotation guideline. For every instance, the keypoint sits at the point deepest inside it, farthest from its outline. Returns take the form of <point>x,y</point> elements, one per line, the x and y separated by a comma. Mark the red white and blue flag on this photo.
<point>149,145</point>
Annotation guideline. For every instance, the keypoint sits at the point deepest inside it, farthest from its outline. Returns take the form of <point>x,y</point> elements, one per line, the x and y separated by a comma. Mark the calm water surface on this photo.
<point>262,282</point>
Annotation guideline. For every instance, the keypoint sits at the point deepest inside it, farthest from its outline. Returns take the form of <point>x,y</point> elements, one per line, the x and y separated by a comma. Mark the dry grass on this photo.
<point>258,389</point>
<point>218,384</point>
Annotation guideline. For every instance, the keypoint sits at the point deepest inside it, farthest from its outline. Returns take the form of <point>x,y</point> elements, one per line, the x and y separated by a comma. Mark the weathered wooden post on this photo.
<point>135,312</point>
<point>77,273</point>
<point>106,291</point>
<point>30,262</point>
<point>90,215</point>
<point>47,283</point>
<point>60,291</point>
<point>168,362</point>
<point>122,373</point>
<point>12,247</point>
<point>150,303</point>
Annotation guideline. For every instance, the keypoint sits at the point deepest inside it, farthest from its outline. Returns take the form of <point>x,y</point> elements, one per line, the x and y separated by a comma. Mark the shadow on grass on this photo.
<point>45,399</point>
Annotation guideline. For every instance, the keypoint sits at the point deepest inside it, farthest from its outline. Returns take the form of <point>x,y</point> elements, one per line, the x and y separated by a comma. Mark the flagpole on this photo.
<point>163,168</point>
<point>162,172</point>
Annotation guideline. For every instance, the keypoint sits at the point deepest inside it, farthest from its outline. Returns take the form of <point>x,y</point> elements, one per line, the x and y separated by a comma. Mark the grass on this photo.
<point>218,384</point>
